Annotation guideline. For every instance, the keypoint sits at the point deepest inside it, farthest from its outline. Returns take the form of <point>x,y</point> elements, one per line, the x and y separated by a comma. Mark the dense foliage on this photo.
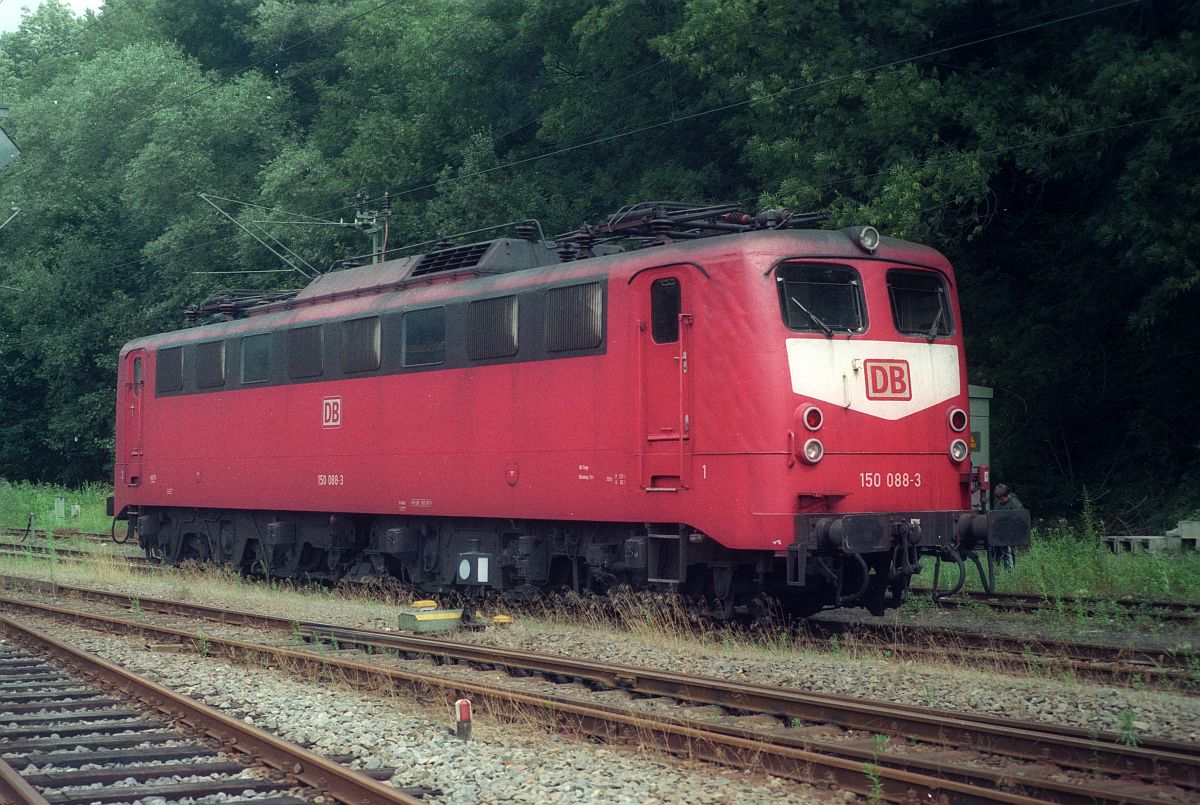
<point>1052,152</point>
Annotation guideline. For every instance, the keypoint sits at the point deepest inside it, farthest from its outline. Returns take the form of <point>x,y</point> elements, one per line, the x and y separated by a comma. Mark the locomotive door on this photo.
<point>666,365</point>
<point>135,395</point>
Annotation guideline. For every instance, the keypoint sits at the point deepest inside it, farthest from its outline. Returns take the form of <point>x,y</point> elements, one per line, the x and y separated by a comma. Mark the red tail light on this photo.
<point>813,418</point>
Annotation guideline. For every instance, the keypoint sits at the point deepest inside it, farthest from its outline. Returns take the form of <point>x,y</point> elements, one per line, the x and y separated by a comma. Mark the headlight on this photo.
<point>814,451</point>
<point>813,418</point>
<point>958,450</point>
<point>868,238</point>
<point>958,420</point>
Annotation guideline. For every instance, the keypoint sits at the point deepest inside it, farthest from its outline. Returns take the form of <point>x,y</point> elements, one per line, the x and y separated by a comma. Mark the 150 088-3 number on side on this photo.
<point>891,480</point>
<point>332,479</point>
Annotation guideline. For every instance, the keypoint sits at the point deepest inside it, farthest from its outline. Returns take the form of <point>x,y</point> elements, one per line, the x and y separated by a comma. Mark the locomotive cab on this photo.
<point>879,429</point>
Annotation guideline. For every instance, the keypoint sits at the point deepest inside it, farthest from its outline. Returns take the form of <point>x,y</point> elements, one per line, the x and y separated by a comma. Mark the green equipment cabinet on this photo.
<point>981,443</point>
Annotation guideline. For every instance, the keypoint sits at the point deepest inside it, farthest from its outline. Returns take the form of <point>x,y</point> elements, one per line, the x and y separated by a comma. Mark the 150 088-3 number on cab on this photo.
<point>891,480</point>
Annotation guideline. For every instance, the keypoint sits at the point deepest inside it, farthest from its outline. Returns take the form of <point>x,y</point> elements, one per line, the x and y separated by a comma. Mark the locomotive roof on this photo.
<point>507,255</point>
<point>510,263</point>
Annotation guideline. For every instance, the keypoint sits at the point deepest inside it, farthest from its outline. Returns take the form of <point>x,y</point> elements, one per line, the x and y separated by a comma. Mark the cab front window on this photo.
<point>816,297</point>
<point>920,304</point>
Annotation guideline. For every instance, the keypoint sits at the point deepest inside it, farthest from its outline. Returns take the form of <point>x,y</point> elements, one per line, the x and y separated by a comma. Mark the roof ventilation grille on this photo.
<point>451,259</point>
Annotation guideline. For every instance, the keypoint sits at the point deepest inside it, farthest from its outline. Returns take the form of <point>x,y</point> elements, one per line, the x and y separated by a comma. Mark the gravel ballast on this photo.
<point>503,763</point>
<point>1053,699</point>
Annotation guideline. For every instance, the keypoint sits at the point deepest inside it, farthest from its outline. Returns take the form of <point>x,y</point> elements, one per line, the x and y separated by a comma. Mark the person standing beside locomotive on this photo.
<point>1003,498</point>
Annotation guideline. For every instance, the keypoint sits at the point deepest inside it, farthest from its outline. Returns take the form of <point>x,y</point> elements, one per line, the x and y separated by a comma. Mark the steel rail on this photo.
<point>1170,605</point>
<point>1014,738</point>
<point>136,564</point>
<point>1035,748</point>
<point>1161,661</point>
<point>787,703</point>
<point>1179,611</point>
<point>45,549</point>
<point>682,736</point>
<point>1173,609</point>
<point>339,782</point>
<point>1097,661</point>
<point>1185,611</point>
<point>15,789</point>
<point>58,533</point>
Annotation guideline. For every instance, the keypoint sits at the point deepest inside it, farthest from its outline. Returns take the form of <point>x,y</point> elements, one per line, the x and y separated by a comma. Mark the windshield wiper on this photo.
<point>937,321</point>
<point>825,327</point>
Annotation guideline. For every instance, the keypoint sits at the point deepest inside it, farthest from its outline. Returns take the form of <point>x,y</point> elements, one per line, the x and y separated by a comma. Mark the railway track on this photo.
<point>56,533</point>
<point>54,551</point>
<point>1161,609</point>
<point>1176,611</point>
<point>1175,668</point>
<point>90,731</point>
<point>875,749</point>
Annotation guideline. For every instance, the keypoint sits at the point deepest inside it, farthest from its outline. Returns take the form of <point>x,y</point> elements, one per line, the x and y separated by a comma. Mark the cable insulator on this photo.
<point>586,241</point>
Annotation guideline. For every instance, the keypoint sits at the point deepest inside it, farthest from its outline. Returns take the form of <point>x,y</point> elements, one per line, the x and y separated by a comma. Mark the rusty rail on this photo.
<point>1024,740</point>
<point>1178,611</point>
<point>1154,761</point>
<point>684,736</point>
<point>336,781</point>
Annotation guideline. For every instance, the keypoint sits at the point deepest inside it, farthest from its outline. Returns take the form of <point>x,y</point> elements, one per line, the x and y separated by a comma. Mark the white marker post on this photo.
<point>462,719</point>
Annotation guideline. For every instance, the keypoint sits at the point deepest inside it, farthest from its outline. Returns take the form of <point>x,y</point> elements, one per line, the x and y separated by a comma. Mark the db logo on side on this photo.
<point>888,380</point>
<point>331,412</point>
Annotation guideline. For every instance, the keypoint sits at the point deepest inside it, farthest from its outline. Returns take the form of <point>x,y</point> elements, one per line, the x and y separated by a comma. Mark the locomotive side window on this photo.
<point>360,344</point>
<point>425,337</point>
<point>665,306</point>
<point>210,365</point>
<point>573,317</point>
<point>256,358</point>
<point>820,298</point>
<point>168,369</point>
<point>920,305</point>
<point>492,328</point>
<point>306,349</point>
<point>137,377</point>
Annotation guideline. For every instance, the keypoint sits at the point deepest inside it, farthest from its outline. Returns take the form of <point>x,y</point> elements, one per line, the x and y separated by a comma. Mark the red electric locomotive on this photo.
<point>741,409</point>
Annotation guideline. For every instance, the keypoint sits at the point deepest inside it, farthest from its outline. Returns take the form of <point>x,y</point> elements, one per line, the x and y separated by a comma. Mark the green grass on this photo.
<point>1062,562</point>
<point>18,500</point>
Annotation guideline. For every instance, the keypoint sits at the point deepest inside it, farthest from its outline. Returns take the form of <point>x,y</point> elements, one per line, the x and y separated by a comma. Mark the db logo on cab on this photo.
<point>888,380</point>
<point>331,412</point>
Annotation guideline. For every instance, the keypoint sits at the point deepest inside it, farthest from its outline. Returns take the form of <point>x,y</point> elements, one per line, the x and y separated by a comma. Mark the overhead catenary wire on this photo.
<point>725,107</point>
<point>314,273</point>
<point>1017,146</point>
<point>778,93</point>
<point>712,110</point>
<point>847,178</point>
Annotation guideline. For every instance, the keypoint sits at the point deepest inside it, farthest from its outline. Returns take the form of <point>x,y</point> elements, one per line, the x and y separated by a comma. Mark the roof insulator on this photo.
<point>586,241</point>
<point>662,227</point>
<point>566,251</point>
